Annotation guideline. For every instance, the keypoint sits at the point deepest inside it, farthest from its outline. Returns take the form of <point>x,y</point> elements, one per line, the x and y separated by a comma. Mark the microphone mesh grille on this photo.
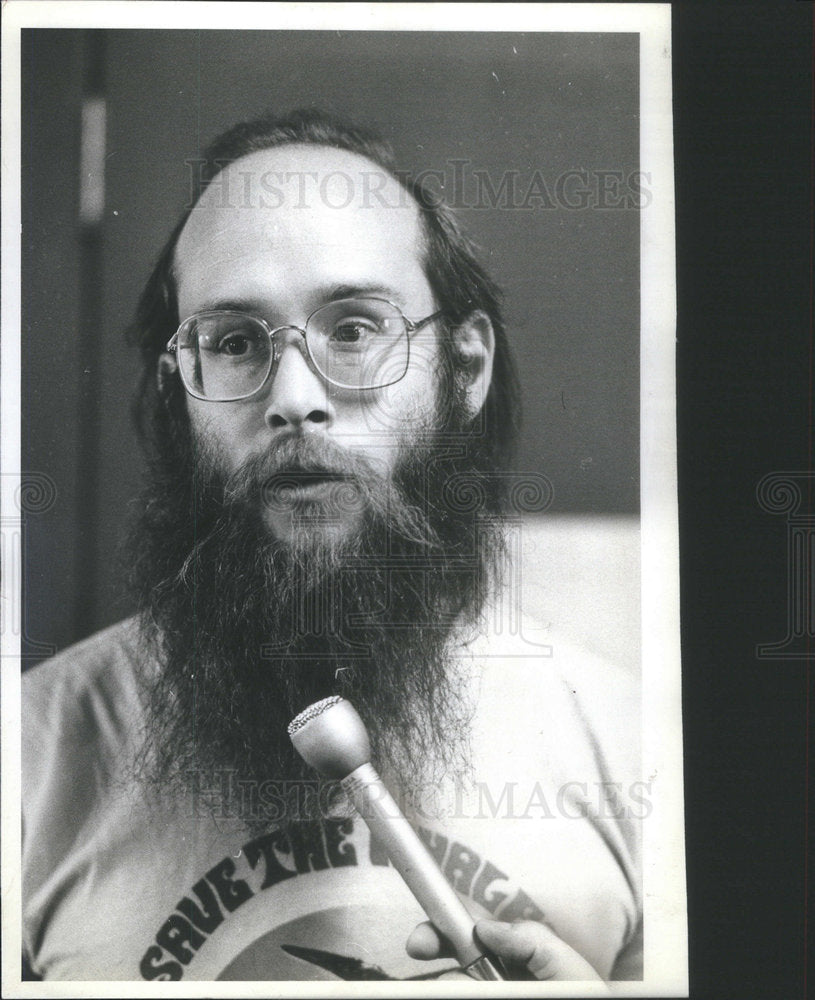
<point>312,712</point>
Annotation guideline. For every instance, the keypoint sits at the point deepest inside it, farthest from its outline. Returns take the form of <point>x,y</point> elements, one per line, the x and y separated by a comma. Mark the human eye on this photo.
<point>354,331</point>
<point>236,345</point>
<point>233,337</point>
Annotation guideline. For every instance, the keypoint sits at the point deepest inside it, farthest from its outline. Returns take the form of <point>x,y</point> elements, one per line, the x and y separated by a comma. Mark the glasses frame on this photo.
<point>411,327</point>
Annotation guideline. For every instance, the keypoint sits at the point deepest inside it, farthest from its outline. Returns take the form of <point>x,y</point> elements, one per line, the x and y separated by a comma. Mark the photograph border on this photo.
<point>665,904</point>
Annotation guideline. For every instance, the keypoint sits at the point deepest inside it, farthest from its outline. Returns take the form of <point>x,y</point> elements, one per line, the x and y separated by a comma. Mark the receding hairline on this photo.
<point>300,145</point>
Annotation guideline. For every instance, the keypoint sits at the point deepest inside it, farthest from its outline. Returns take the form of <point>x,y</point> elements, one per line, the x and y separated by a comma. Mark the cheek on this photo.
<point>410,405</point>
<point>202,425</point>
<point>396,410</point>
<point>218,430</point>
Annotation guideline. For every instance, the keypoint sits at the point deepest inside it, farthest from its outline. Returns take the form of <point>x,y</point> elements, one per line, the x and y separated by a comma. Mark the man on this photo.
<point>330,408</point>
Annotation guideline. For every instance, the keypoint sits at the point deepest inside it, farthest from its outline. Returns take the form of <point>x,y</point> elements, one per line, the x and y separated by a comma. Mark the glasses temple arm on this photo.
<point>413,327</point>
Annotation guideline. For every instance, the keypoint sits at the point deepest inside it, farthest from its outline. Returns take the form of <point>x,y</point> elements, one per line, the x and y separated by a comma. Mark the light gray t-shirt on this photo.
<point>119,887</point>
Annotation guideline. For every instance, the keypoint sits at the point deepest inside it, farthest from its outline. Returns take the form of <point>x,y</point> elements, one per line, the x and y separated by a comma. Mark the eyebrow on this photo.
<point>231,305</point>
<point>321,296</point>
<point>351,291</point>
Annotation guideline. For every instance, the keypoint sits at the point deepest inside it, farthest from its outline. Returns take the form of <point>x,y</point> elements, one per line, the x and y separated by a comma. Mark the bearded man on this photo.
<point>330,409</point>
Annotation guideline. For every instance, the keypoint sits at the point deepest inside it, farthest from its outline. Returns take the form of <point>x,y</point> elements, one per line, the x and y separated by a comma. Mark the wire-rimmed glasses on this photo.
<point>356,343</point>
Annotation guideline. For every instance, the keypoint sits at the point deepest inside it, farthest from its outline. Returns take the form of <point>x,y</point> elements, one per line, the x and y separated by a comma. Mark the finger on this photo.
<point>425,942</point>
<point>535,946</point>
<point>513,942</point>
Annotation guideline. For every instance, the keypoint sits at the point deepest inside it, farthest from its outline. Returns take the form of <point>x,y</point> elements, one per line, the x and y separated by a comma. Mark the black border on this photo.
<point>743,120</point>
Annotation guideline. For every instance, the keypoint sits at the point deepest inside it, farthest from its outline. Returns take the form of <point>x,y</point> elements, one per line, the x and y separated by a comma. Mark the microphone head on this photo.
<point>330,736</point>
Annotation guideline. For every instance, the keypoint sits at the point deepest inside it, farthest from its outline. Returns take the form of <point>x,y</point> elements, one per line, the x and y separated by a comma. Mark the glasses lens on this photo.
<point>359,343</point>
<point>223,355</point>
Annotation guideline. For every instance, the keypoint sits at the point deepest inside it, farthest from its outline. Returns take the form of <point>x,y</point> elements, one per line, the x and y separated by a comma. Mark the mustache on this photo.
<point>350,484</point>
<point>280,477</point>
<point>304,456</point>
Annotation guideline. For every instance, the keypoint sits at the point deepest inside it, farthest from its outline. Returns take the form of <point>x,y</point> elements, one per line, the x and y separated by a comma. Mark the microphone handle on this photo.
<point>420,872</point>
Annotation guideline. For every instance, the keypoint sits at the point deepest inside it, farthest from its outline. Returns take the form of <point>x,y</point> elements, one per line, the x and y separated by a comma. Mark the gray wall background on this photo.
<point>519,102</point>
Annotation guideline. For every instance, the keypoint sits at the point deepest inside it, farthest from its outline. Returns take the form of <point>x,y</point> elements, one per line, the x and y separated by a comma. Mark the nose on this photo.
<point>298,399</point>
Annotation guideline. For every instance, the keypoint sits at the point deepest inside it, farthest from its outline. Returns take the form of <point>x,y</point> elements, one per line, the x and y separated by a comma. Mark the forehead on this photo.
<point>282,221</point>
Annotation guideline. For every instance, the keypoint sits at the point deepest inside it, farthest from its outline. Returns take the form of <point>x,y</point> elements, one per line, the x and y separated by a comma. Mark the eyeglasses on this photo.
<point>360,343</point>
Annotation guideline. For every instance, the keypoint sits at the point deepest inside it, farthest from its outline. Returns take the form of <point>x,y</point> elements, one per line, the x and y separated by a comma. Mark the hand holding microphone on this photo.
<point>330,736</point>
<point>527,944</point>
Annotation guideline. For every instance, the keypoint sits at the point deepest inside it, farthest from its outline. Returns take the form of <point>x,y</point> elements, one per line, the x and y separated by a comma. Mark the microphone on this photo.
<point>331,737</point>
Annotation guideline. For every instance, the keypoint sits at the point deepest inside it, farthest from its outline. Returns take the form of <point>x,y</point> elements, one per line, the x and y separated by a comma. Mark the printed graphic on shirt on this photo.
<point>354,941</point>
<point>360,956</point>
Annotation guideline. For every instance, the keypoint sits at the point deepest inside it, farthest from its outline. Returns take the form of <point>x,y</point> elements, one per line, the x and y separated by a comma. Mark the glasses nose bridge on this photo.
<point>282,335</point>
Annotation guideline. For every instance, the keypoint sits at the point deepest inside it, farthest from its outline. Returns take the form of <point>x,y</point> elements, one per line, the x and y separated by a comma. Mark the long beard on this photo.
<point>248,630</point>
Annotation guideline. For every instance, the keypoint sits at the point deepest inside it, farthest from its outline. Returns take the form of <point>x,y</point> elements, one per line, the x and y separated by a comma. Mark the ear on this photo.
<point>473,353</point>
<point>167,368</point>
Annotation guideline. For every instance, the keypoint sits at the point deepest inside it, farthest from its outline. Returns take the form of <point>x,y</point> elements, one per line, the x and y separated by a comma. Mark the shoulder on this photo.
<point>553,685</point>
<point>85,692</point>
<point>80,714</point>
<point>84,663</point>
<point>525,652</point>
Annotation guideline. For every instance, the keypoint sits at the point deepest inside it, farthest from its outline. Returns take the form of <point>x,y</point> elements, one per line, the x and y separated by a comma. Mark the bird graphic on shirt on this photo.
<point>347,968</point>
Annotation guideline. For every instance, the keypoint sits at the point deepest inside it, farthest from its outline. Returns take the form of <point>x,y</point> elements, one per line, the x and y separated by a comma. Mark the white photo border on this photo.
<point>666,970</point>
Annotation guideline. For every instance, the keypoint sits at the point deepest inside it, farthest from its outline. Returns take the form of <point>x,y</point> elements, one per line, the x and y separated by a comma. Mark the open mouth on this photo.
<point>291,486</point>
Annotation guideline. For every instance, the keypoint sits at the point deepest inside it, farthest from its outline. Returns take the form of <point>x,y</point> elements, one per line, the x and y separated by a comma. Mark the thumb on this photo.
<point>425,942</point>
<point>535,946</point>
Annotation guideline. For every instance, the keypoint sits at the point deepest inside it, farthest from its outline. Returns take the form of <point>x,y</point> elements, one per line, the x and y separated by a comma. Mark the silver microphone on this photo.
<point>331,737</point>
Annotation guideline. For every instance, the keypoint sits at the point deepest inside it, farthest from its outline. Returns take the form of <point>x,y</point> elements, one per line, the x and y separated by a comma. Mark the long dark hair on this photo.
<point>459,283</point>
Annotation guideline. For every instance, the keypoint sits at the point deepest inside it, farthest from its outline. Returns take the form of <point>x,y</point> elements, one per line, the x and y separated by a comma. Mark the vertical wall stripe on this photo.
<point>92,161</point>
<point>88,371</point>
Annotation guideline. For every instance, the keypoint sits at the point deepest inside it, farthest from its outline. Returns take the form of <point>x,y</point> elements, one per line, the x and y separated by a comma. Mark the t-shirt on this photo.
<point>118,885</point>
